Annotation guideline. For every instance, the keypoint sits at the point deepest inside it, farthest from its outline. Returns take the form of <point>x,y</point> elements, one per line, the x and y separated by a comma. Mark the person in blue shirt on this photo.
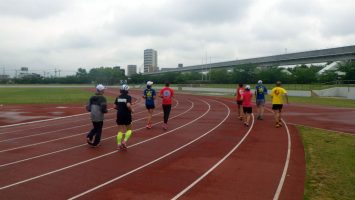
<point>260,92</point>
<point>149,96</point>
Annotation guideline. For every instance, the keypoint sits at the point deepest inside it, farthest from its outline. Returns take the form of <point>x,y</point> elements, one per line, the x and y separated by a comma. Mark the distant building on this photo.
<point>119,68</point>
<point>150,60</point>
<point>131,69</point>
<point>180,65</point>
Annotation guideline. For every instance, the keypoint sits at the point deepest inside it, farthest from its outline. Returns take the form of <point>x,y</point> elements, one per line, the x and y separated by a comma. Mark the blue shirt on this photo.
<point>149,96</point>
<point>260,91</point>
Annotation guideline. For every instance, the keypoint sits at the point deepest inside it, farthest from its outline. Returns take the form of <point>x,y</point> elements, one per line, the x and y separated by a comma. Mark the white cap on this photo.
<point>125,87</point>
<point>149,83</point>
<point>100,87</point>
<point>247,87</point>
<point>260,82</point>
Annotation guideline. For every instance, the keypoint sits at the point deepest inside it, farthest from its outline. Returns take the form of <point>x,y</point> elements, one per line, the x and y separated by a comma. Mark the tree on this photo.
<point>349,69</point>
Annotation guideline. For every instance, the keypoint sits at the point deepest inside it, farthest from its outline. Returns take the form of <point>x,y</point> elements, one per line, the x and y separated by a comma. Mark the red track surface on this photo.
<point>205,154</point>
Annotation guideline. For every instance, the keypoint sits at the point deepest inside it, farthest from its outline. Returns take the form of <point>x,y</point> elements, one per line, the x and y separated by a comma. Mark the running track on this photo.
<point>206,153</point>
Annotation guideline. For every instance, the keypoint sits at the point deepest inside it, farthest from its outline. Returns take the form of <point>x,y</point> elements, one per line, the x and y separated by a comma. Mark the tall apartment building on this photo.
<point>131,69</point>
<point>150,60</point>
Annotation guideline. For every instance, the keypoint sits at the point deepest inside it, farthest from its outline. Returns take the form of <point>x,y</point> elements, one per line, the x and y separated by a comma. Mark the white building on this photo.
<point>150,60</point>
<point>131,69</point>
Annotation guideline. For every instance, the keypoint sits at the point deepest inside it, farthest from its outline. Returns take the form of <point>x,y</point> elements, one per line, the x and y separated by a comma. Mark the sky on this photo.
<point>66,35</point>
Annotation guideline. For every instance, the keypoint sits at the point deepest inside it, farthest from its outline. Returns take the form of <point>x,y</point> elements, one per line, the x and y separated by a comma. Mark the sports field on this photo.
<point>206,153</point>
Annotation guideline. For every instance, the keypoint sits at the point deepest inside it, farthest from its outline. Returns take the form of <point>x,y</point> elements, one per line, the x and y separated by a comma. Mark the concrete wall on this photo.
<point>345,92</point>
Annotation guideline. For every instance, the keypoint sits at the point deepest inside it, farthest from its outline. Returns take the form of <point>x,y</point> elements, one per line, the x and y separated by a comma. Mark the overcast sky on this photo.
<point>68,34</point>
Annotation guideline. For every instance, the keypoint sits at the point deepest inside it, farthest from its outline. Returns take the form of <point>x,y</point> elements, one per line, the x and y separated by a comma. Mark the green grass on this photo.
<point>43,95</point>
<point>336,102</point>
<point>330,163</point>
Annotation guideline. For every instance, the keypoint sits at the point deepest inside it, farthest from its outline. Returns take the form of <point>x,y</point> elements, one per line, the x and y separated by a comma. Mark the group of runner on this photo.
<point>244,101</point>
<point>97,106</point>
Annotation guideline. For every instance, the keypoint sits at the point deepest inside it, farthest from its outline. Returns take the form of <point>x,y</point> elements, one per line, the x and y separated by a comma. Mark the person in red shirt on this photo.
<point>247,109</point>
<point>239,100</point>
<point>166,94</point>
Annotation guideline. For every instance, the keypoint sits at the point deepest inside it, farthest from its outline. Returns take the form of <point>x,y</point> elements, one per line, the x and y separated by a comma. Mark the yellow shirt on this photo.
<point>277,95</point>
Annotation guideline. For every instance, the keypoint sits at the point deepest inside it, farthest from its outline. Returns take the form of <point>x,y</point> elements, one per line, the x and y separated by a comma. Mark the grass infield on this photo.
<point>330,159</point>
<point>44,95</point>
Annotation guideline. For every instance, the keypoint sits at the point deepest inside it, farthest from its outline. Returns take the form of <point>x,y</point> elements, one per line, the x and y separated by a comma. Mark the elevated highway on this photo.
<point>317,56</point>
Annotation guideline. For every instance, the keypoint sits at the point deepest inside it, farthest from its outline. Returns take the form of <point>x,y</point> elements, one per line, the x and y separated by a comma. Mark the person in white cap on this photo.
<point>149,96</point>
<point>246,97</point>
<point>123,104</point>
<point>260,92</point>
<point>97,106</point>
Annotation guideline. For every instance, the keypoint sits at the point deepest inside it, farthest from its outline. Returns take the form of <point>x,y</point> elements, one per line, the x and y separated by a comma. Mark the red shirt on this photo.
<point>247,97</point>
<point>239,93</point>
<point>167,93</point>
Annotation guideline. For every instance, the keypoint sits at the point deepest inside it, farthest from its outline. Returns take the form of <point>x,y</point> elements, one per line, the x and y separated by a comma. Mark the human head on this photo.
<point>100,88</point>
<point>124,89</point>
<point>149,84</point>
<point>240,84</point>
<point>260,82</point>
<point>167,84</point>
<point>278,83</point>
<point>247,87</point>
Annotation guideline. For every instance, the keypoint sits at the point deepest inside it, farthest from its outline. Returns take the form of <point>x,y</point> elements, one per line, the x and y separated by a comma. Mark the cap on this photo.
<point>260,82</point>
<point>100,87</point>
<point>125,87</point>
<point>247,87</point>
<point>149,83</point>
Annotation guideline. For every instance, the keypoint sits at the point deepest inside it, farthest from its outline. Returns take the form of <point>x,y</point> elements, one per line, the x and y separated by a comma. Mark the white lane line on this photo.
<point>45,120</point>
<point>104,155</point>
<point>73,127</point>
<point>85,144</point>
<point>154,161</point>
<point>284,173</point>
<point>322,129</point>
<point>216,165</point>
<point>47,141</point>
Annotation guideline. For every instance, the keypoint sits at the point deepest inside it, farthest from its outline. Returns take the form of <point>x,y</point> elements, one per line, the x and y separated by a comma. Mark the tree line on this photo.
<point>239,74</point>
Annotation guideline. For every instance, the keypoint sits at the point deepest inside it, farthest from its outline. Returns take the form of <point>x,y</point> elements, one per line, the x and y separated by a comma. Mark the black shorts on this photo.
<point>150,106</point>
<point>247,109</point>
<point>124,120</point>
<point>239,102</point>
<point>277,107</point>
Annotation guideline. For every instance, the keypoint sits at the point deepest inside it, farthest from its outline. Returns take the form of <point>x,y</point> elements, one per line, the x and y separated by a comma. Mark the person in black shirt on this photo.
<point>97,106</point>
<point>123,105</point>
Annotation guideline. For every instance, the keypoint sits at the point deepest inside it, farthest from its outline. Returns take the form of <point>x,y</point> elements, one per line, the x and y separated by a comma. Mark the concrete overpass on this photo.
<point>317,56</point>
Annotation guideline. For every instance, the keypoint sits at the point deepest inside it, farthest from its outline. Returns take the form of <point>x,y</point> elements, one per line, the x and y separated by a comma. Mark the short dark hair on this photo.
<point>167,84</point>
<point>240,84</point>
<point>278,83</point>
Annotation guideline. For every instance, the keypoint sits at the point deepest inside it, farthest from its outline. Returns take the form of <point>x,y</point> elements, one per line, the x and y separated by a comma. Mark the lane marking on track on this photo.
<point>104,155</point>
<point>85,144</point>
<point>156,160</point>
<point>62,138</point>
<point>284,173</point>
<point>287,161</point>
<point>216,165</point>
<point>58,130</point>
<point>45,120</point>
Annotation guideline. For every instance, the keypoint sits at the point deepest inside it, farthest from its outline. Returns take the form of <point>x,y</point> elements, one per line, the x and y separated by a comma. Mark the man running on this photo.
<point>123,104</point>
<point>97,106</point>
<point>246,97</point>
<point>239,101</point>
<point>277,94</point>
<point>260,92</point>
<point>166,94</point>
<point>149,96</point>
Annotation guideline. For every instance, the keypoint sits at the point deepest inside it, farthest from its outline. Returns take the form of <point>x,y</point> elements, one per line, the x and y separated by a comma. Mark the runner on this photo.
<point>123,104</point>
<point>238,95</point>
<point>97,105</point>
<point>277,94</point>
<point>246,97</point>
<point>167,94</point>
<point>260,91</point>
<point>149,96</point>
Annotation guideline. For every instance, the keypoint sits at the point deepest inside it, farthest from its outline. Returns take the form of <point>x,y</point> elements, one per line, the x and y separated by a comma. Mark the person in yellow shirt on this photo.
<point>277,95</point>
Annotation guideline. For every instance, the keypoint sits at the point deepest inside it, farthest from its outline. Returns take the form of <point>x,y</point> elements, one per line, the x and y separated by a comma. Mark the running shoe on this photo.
<point>165,126</point>
<point>123,145</point>
<point>149,126</point>
<point>246,124</point>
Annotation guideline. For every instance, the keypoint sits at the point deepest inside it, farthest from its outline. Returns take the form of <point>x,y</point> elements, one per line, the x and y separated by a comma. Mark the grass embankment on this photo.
<point>43,95</point>
<point>330,159</point>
